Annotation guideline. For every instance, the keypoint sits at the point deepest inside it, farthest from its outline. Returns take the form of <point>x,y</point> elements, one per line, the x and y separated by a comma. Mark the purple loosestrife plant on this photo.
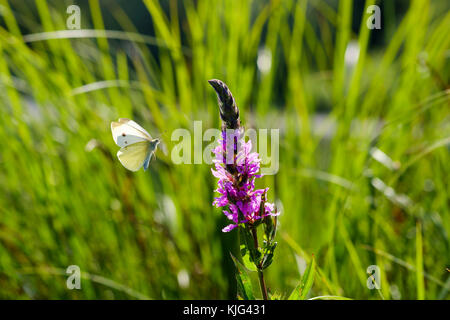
<point>237,188</point>
<point>237,168</point>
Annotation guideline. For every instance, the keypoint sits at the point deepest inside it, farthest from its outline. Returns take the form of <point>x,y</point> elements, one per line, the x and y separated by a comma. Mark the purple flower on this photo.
<point>236,167</point>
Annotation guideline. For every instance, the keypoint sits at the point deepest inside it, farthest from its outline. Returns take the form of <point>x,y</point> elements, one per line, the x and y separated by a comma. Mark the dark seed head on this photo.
<point>229,112</point>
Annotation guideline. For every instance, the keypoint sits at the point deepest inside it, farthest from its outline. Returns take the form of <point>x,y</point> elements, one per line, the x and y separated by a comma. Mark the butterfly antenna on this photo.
<point>164,133</point>
<point>163,146</point>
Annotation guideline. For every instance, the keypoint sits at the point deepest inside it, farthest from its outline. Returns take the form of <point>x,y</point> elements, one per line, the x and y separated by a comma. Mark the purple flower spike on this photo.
<point>236,167</point>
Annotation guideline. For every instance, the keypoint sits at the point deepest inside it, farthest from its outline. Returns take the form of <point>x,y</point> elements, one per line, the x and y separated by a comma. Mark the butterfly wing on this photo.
<point>134,156</point>
<point>134,125</point>
<point>126,132</point>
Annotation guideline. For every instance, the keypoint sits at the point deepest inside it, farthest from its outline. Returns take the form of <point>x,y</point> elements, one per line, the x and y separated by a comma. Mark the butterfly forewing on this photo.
<point>135,125</point>
<point>127,132</point>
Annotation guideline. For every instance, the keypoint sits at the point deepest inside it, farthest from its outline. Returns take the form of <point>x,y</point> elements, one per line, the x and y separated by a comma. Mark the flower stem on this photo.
<point>262,283</point>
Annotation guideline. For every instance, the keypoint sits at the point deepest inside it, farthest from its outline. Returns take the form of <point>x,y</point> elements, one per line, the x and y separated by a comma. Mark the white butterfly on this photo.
<point>137,145</point>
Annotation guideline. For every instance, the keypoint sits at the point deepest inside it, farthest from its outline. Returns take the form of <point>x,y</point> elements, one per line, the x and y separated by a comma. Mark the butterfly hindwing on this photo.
<point>133,157</point>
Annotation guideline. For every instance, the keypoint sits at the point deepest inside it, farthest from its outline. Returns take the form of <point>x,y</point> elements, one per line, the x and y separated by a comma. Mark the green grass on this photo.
<point>62,203</point>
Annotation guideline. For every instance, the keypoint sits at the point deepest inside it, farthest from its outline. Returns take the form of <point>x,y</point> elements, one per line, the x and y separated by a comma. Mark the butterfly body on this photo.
<point>137,146</point>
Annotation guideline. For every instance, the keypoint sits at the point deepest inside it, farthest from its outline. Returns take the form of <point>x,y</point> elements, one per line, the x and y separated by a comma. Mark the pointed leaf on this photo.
<point>329,298</point>
<point>302,289</point>
<point>246,259</point>
<point>246,239</point>
<point>244,285</point>
<point>268,255</point>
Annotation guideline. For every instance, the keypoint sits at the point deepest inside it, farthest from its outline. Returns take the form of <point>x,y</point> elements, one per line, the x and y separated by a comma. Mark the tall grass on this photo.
<point>65,199</point>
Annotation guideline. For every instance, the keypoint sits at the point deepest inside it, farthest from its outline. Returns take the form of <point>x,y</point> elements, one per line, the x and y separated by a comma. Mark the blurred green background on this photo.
<point>364,123</point>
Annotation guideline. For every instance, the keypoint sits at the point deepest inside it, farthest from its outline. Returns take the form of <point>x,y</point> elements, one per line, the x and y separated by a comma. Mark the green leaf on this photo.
<point>301,291</point>
<point>248,263</point>
<point>248,246</point>
<point>244,285</point>
<point>329,298</point>
<point>268,255</point>
<point>269,228</point>
<point>275,296</point>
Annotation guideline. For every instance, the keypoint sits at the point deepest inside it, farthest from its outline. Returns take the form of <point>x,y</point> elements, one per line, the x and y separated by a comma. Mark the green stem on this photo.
<point>262,283</point>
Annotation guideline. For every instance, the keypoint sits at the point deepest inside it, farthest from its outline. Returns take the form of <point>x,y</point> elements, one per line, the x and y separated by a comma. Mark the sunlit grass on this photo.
<point>63,204</point>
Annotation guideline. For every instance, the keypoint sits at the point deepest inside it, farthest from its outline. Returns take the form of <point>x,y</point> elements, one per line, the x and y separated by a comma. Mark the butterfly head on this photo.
<point>155,142</point>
